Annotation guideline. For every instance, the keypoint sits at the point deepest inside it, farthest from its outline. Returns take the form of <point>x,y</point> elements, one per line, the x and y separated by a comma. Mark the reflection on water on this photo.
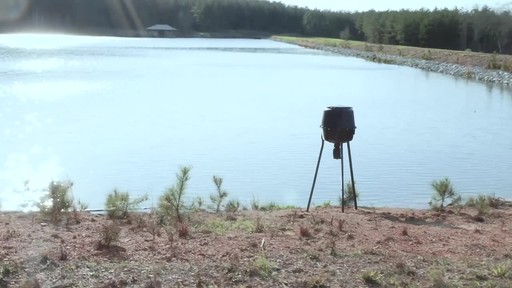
<point>17,191</point>
<point>125,113</point>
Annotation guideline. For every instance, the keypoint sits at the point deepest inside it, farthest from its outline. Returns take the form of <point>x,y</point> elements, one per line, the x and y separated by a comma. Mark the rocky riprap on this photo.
<point>460,71</point>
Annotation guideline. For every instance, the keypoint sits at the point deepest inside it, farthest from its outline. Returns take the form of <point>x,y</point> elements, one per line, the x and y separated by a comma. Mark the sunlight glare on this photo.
<point>50,91</point>
<point>48,40</point>
<point>11,10</point>
<point>23,182</point>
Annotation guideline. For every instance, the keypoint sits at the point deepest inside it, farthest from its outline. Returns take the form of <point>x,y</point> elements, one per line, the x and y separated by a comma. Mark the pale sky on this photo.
<point>381,5</point>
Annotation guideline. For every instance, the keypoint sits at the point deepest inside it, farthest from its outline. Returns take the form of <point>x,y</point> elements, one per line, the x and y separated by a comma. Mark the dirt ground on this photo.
<point>368,247</point>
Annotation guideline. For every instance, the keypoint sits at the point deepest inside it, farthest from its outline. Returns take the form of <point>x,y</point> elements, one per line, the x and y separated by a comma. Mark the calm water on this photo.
<point>127,113</point>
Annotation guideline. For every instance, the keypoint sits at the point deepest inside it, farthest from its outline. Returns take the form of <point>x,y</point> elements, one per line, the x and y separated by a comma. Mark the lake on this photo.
<point>126,113</point>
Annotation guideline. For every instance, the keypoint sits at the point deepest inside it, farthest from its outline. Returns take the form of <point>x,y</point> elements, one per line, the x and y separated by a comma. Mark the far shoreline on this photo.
<point>482,67</point>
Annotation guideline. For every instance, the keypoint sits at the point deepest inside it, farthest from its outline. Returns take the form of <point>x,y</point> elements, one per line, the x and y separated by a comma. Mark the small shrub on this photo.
<point>371,277</point>
<point>340,224</point>
<point>221,194</point>
<point>198,203</point>
<point>63,255</point>
<point>231,217</point>
<point>57,201</point>
<point>138,221</point>
<point>170,234</point>
<point>258,227</point>
<point>313,256</point>
<point>427,55</point>
<point>438,279</point>
<point>264,266</point>
<point>109,235</point>
<point>481,203</point>
<point>332,246</point>
<point>183,231</point>
<point>304,232</point>
<point>500,271</point>
<point>269,207</point>
<point>403,268</point>
<point>495,202</point>
<point>153,228</point>
<point>326,204</point>
<point>232,206</point>
<point>45,259</point>
<point>82,206</point>
<point>171,205</point>
<point>255,203</point>
<point>315,282</point>
<point>118,204</point>
<point>348,199</point>
<point>317,221</point>
<point>6,272</point>
<point>493,62</point>
<point>443,190</point>
<point>75,216</point>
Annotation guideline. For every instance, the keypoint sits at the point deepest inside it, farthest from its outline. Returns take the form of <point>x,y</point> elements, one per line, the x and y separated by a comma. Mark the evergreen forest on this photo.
<point>482,29</point>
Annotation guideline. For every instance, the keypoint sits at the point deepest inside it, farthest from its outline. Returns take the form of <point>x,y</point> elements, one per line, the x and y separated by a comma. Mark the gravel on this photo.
<point>460,71</point>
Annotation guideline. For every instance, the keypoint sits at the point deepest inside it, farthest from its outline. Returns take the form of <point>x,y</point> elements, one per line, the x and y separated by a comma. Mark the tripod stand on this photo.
<point>337,154</point>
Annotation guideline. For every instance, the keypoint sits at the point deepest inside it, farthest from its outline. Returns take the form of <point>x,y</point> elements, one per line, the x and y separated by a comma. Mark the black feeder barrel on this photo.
<point>338,125</point>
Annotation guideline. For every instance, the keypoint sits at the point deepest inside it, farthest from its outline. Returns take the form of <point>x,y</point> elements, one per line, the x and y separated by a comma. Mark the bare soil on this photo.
<point>368,247</point>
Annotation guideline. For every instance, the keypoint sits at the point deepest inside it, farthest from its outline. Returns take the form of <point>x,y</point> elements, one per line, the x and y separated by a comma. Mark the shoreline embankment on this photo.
<point>434,60</point>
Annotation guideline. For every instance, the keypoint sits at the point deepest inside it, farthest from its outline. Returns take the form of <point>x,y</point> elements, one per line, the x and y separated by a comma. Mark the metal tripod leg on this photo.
<point>342,182</point>
<point>352,176</point>
<point>316,173</point>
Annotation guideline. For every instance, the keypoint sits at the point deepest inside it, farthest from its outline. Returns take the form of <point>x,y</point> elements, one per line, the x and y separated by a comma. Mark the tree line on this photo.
<point>480,29</point>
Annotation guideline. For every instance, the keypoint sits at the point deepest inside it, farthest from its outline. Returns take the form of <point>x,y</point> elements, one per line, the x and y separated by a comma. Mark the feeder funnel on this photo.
<point>338,125</point>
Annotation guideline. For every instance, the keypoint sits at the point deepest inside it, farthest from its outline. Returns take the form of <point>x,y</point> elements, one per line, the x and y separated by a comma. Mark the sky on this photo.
<point>382,5</point>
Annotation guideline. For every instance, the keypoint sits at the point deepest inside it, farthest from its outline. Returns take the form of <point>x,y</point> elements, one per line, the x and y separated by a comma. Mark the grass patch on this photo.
<point>484,203</point>
<point>480,203</point>
<point>438,279</point>
<point>326,204</point>
<point>371,277</point>
<point>264,267</point>
<point>221,227</point>
<point>270,206</point>
<point>500,271</point>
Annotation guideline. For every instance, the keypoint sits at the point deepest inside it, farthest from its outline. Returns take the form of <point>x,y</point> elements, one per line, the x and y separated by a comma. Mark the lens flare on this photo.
<point>11,10</point>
